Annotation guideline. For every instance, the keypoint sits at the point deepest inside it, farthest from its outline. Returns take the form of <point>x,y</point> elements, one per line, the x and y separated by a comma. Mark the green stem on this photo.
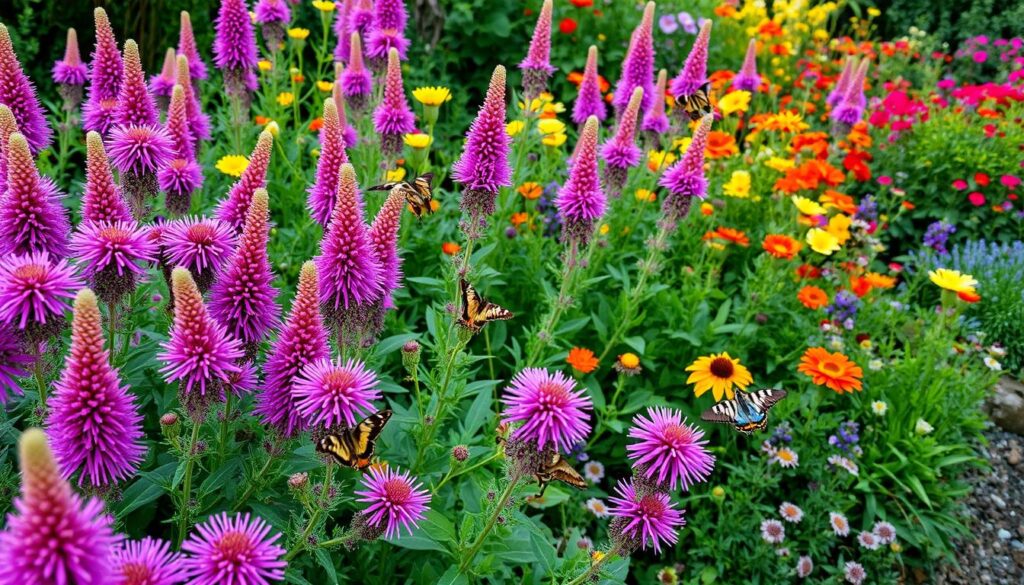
<point>428,434</point>
<point>301,544</point>
<point>112,312</point>
<point>224,429</point>
<point>473,467</point>
<point>186,490</point>
<point>40,380</point>
<point>416,389</point>
<point>594,568</point>
<point>502,502</point>
<point>249,491</point>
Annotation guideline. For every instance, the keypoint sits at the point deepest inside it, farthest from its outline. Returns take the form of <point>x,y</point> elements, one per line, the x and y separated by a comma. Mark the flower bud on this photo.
<point>718,493</point>
<point>460,453</point>
<point>411,356</point>
<point>298,481</point>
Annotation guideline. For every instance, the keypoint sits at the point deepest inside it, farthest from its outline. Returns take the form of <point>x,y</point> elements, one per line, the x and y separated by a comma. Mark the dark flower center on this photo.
<point>722,367</point>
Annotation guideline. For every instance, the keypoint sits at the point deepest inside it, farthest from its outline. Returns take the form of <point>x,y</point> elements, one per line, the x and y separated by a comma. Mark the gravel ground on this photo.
<point>995,554</point>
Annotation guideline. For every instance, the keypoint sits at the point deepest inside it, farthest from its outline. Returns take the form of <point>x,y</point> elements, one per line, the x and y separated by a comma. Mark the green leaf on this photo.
<point>324,558</point>
<point>453,577</point>
<point>637,343</point>
<point>543,550</point>
<point>915,485</point>
<point>390,344</point>
<point>140,493</point>
<point>479,412</point>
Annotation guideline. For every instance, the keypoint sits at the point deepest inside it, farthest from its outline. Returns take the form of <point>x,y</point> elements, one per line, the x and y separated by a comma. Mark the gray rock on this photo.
<point>1006,405</point>
<point>999,502</point>
<point>1003,534</point>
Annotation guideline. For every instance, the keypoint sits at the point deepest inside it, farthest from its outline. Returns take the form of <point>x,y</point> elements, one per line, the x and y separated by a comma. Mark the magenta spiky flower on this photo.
<point>536,67</point>
<point>656,121</point>
<point>389,30</point>
<point>483,168</point>
<point>34,289</point>
<point>106,69</point>
<point>589,101</point>
<point>18,94</point>
<point>842,84</point>
<point>14,364</point>
<point>694,73</point>
<point>32,218</point>
<point>235,44</point>
<point>850,109</point>
<point>643,520</point>
<point>384,235</point>
<point>347,131</point>
<point>244,381</point>
<point>162,84</point>
<point>182,175</point>
<point>746,78</point>
<point>343,30</point>
<point>202,245</point>
<point>187,47</point>
<point>362,16</point>
<point>139,149</point>
<point>93,421</point>
<point>303,341</point>
<point>199,123</point>
<point>70,70</point>
<point>149,561</point>
<point>324,190</point>
<point>272,11</point>
<point>550,407</point>
<point>233,209</point>
<point>8,126</point>
<point>350,273</point>
<point>102,200</point>
<point>393,119</point>
<point>199,351</point>
<point>621,151</point>
<point>236,549</point>
<point>329,394</point>
<point>53,536</point>
<point>243,298</point>
<point>669,451</point>
<point>685,179</point>
<point>135,106</point>
<point>638,66</point>
<point>581,201</point>
<point>113,256</point>
<point>356,82</point>
<point>396,500</point>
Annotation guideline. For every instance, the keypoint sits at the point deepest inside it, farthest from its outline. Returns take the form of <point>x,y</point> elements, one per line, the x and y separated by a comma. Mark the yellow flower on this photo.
<point>953,280</point>
<point>839,226</point>
<point>659,159</point>
<point>602,37</point>
<point>546,97</point>
<point>264,65</point>
<point>325,85</point>
<point>298,34</point>
<point>706,208</point>
<point>605,228</point>
<point>285,98</point>
<point>323,5</point>
<point>718,373</point>
<point>553,108</point>
<point>395,175</point>
<point>645,195</point>
<point>736,101</point>
<point>785,121</point>
<point>808,206</point>
<point>822,242</point>
<point>417,140</point>
<point>551,126</point>
<point>738,185</point>
<point>535,105</point>
<point>556,140</point>
<point>315,153</point>
<point>273,128</point>
<point>681,144</point>
<point>514,127</point>
<point>432,96</point>
<point>874,12</point>
<point>232,164</point>
<point>779,164</point>
<point>597,556</point>
<point>629,360</point>
<point>820,35</point>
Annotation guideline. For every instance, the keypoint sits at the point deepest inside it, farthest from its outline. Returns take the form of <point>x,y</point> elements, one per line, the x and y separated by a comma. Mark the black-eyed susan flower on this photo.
<point>718,373</point>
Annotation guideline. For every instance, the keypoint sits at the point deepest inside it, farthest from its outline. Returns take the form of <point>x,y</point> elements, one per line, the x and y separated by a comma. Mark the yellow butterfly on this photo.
<point>698,104</point>
<point>353,447</point>
<point>418,194</point>
<point>477,312</point>
<point>557,468</point>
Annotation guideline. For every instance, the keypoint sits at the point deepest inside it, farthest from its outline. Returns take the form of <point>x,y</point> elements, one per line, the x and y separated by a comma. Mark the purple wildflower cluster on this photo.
<point>847,438</point>
<point>937,236</point>
<point>843,309</point>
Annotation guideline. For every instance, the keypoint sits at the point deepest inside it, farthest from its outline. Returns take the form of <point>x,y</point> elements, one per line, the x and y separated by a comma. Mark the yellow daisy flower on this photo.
<point>323,5</point>
<point>808,206</point>
<point>325,85</point>
<point>551,126</point>
<point>735,101</point>
<point>432,96</point>
<point>417,140</point>
<point>953,280</point>
<point>514,127</point>
<point>395,175</point>
<point>822,242</point>
<point>232,164</point>
<point>285,98</point>
<point>738,185</point>
<point>298,34</point>
<point>555,140</point>
<point>718,373</point>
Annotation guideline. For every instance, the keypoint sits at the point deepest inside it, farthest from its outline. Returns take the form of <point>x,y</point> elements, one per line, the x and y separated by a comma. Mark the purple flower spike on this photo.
<point>324,191</point>
<point>384,235</point>
<point>643,520</point>
<point>34,290</point>
<point>14,364</point>
<point>483,168</point>
<point>850,109</point>
<point>343,31</point>
<point>32,218</point>
<point>536,67</point>
<point>139,149</point>
<point>102,200</point>
<point>70,70</point>
<point>621,151</point>
<point>149,561</point>
<point>202,245</point>
<point>581,201</point>
<point>747,78</point>
<point>111,254</point>
<point>8,126</point>
<point>396,500</point>
<point>694,73</point>
<point>638,66</point>
<point>842,84</point>
<point>668,450</point>
<point>187,47</point>
<point>235,44</point>
<point>235,549</point>
<point>106,69</point>
<point>198,122</point>
<point>243,298</point>
<point>135,106</point>
<point>393,119</point>
<point>303,341</point>
<point>362,17</point>
<point>389,30</point>
<point>162,85</point>
<point>95,425</point>
<point>685,179</point>
<point>272,12</point>
<point>18,94</point>
<point>182,175</point>
<point>53,536</point>
<point>347,131</point>
<point>550,407</point>
<point>589,101</point>
<point>656,121</point>
<point>330,394</point>
<point>356,82</point>
<point>233,209</point>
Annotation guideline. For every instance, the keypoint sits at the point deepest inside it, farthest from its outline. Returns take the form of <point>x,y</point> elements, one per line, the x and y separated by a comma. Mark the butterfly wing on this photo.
<point>698,104</point>
<point>339,446</point>
<point>470,306</point>
<point>353,447</point>
<point>766,398</point>
<point>384,187</point>
<point>723,412</point>
<point>558,469</point>
<point>493,312</point>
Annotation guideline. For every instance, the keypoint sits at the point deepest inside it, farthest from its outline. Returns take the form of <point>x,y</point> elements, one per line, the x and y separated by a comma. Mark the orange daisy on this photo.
<point>450,248</point>
<point>781,246</point>
<point>812,297</point>
<point>530,190</point>
<point>833,370</point>
<point>582,360</point>
<point>880,280</point>
<point>729,235</point>
<point>840,201</point>
<point>519,218</point>
<point>718,373</point>
<point>720,145</point>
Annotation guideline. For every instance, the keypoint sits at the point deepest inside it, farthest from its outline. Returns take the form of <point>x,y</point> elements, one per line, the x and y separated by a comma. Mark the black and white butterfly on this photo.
<point>748,411</point>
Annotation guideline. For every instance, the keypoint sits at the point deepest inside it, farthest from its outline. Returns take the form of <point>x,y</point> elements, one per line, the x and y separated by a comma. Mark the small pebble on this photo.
<point>1003,534</point>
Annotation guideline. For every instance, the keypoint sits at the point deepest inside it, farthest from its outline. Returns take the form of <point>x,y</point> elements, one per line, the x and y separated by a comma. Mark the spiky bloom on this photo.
<point>34,289</point>
<point>324,190</point>
<point>200,244</point>
<point>850,109</point>
<point>18,94</point>
<point>589,101</point>
<point>32,218</point>
<point>638,66</point>
<point>234,49</point>
<point>13,364</point>
<point>139,149</point>
<point>362,17</point>
<point>694,73</point>
<point>199,351</point>
<point>384,235</point>
<point>8,126</point>
<point>347,131</point>
<point>106,69</point>
<point>182,175</point>
<point>685,179</point>
<point>550,407</point>
<point>655,120</point>
<point>669,451</point>
<point>70,73</point>
<point>135,106</point>
<point>162,84</point>
<point>483,168</point>
<point>187,47</point>
<point>388,31</point>
<point>536,67</point>
<point>393,119</point>
<point>234,208</point>
<point>53,536</point>
<point>243,298</point>
<point>199,123</point>
<point>343,30</point>
<point>581,201</point>
<point>621,151</point>
<point>149,561</point>
<point>356,82</point>
<point>113,256</point>
<point>350,273</point>
<point>643,519</point>
<point>95,426</point>
<point>842,85</point>
<point>102,200</point>
<point>272,11</point>
<point>303,341</point>
<point>235,549</point>
<point>396,500</point>
<point>328,394</point>
<point>746,78</point>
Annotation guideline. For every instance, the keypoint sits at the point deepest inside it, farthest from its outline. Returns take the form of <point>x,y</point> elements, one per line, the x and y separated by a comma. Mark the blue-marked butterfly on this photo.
<point>748,411</point>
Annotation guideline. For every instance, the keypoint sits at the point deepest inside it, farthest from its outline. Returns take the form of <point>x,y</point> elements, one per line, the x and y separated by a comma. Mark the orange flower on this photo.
<point>519,218</point>
<point>262,120</point>
<point>728,234</point>
<point>840,201</point>
<point>781,246</point>
<point>969,296</point>
<point>530,190</point>
<point>880,280</point>
<point>316,124</point>
<point>907,205</point>
<point>816,142</point>
<point>720,145</point>
<point>725,10</point>
<point>860,286</point>
<point>833,370</point>
<point>450,248</point>
<point>770,28</point>
<point>806,271</point>
<point>812,297</point>
<point>575,78</point>
<point>582,360</point>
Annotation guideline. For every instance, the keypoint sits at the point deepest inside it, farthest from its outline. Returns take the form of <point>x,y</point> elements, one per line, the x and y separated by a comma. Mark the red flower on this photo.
<point>977,199</point>
<point>959,184</point>
<point>981,179</point>
<point>567,26</point>
<point>969,296</point>
<point>808,272</point>
<point>582,3</point>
